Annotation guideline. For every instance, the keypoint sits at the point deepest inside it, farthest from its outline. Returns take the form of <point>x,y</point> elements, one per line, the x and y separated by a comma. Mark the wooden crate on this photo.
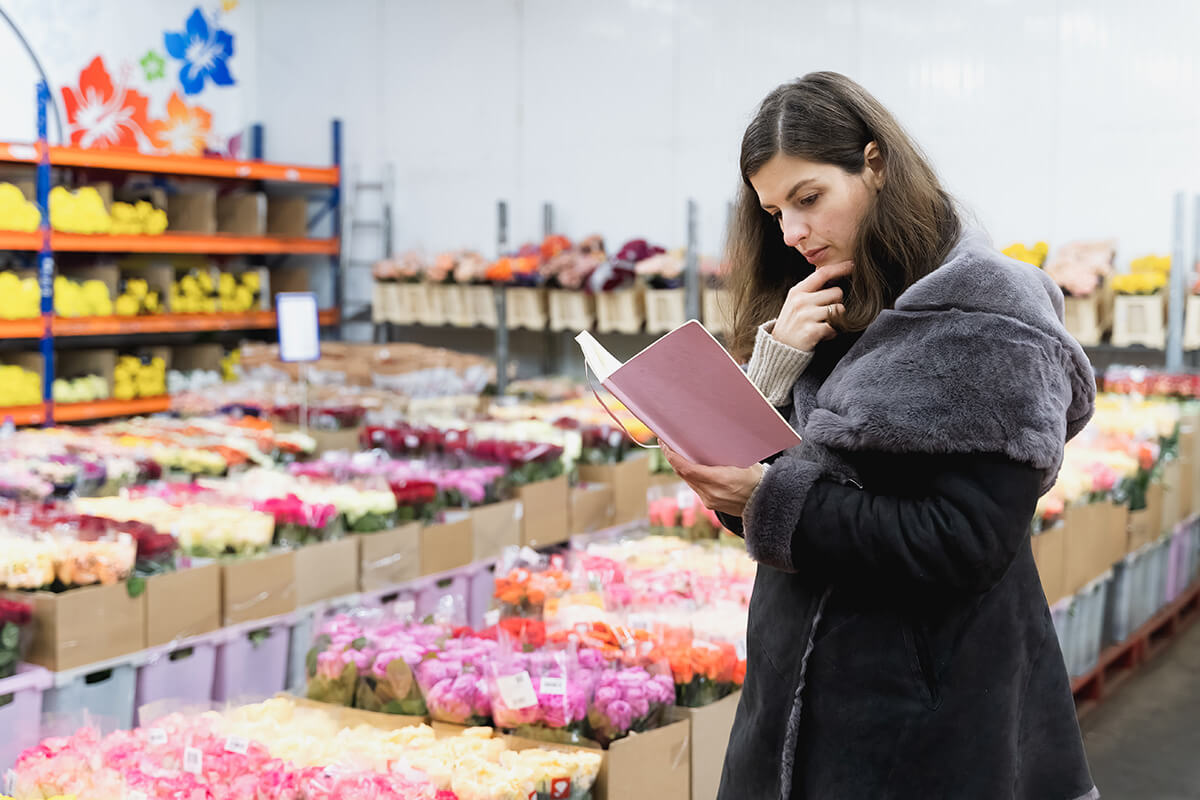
<point>527,308</point>
<point>620,311</point>
<point>482,302</point>
<point>457,305</point>
<point>1191,323</point>
<point>716,310</point>
<point>431,308</point>
<point>666,309</point>
<point>1140,319</point>
<point>572,310</point>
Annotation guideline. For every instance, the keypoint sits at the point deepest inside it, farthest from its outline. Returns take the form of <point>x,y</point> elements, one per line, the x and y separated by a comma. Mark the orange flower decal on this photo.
<point>185,130</point>
<point>102,115</point>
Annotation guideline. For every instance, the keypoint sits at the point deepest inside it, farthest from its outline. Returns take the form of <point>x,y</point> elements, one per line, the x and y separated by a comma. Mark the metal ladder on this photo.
<point>368,239</point>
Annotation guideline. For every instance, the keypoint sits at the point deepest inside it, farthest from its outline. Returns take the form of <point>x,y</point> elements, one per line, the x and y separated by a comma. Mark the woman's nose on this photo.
<point>795,231</point>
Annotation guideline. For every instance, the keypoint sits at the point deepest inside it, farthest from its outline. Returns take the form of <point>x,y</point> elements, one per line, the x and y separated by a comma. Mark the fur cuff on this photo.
<point>775,366</point>
<point>773,511</point>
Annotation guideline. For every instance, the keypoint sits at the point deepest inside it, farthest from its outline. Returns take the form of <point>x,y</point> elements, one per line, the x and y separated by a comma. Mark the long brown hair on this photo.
<point>905,234</point>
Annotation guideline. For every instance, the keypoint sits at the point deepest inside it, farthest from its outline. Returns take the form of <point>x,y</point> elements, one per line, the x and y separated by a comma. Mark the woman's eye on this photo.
<point>808,201</point>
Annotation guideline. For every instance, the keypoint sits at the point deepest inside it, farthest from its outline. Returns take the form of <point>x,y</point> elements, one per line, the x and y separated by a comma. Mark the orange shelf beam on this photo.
<point>102,409</point>
<point>155,323</point>
<point>131,161</point>
<point>24,415</point>
<point>170,243</point>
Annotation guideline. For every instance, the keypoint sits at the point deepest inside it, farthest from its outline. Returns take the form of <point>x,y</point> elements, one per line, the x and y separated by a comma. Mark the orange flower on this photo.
<point>184,131</point>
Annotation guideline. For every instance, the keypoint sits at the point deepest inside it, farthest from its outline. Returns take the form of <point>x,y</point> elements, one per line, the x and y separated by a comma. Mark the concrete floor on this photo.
<point>1143,742</point>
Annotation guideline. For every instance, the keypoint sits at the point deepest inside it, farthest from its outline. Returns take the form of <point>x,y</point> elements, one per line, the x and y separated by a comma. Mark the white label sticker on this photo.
<point>10,782</point>
<point>685,498</point>
<point>136,794</point>
<point>704,645</point>
<point>481,685</point>
<point>491,618</point>
<point>519,512</point>
<point>292,174</point>
<point>406,608</point>
<point>741,649</point>
<point>639,622</point>
<point>552,685</point>
<point>517,690</point>
<point>237,744</point>
<point>193,760</point>
<point>156,736</point>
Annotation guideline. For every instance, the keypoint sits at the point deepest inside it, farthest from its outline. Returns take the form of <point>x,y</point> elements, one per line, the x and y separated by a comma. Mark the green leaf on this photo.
<point>359,643</point>
<point>10,635</point>
<point>135,586</point>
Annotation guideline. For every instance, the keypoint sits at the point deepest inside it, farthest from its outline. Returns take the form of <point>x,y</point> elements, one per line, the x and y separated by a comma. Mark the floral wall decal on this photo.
<point>102,115</point>
<point>204,50</point>
<point>153,66</point>
<point>185,130</point>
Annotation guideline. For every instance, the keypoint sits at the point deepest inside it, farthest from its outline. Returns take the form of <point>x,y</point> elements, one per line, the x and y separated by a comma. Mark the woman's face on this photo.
<point>819,207</point>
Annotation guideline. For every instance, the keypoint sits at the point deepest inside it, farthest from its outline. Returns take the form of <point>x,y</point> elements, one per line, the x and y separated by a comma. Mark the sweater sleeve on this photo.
<point>962,533</point>
<point>775,366</point>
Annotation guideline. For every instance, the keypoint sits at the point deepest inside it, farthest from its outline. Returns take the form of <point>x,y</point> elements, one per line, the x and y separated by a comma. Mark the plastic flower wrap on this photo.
<point>390,685</point>
<point>340,653</point>
<point>525,580</point>
<point>453,680</point>
<point>704,671</point>
<point>15,617</point>
<point>299,523</point>
<point>540,693</point>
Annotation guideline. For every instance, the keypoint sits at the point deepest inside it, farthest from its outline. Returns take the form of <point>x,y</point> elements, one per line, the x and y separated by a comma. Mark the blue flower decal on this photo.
<point>204,51</point>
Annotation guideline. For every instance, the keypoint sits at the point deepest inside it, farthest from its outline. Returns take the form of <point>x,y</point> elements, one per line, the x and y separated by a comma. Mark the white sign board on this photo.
<point>299,330</point>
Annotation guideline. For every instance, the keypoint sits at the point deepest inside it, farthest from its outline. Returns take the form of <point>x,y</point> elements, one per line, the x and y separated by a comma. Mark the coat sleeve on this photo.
<point>960,533</point>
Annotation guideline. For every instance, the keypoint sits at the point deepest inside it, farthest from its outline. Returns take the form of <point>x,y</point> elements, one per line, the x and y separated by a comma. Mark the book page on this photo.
<point>599,360</point>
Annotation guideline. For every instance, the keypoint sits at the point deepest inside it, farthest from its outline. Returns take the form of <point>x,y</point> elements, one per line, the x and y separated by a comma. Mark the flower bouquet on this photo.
<point>704,671</point>
<point>541,694</point>
<point>415,499</point>
<point>522,591</point>
<point>626,700</point>
<point>453,681</point>
<point>298,523</point>
<point>391,685</point>
<point>15,617</point>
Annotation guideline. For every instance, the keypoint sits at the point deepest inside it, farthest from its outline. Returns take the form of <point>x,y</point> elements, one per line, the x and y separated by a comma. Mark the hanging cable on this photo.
<point>38,66</point>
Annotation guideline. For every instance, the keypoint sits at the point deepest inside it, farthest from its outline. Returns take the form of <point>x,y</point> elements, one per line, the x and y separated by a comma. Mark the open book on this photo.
<point>688,390</point>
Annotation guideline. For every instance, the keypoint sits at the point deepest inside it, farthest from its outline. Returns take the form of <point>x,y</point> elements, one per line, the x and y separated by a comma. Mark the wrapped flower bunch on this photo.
<point>452,678</point>
<point>542,694</point>
<point>15,617</point>
<point>522,591</point>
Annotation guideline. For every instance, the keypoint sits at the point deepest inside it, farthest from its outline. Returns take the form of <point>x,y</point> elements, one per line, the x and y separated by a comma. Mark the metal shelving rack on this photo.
<point>46,242</point>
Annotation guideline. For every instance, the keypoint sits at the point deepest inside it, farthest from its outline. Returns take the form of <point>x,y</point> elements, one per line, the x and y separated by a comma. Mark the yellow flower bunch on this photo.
<point>1035,255</point>
<point>17,213</point>
<point>132,378</point>
<point>20,298</point>
<point>1154,265</point>
<point>19,386</point>
<point>1139,282</point>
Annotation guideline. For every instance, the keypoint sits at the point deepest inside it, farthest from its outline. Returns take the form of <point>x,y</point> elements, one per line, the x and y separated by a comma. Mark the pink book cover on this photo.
<point>688,390</point>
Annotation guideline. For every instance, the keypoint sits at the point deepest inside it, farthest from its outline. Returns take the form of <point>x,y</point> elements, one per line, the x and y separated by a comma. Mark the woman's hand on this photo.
<point>803,320</point>
<point>724,489</point>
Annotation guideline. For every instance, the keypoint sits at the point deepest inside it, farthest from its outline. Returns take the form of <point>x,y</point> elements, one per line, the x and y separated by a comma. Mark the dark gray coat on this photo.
<point>899,643</point>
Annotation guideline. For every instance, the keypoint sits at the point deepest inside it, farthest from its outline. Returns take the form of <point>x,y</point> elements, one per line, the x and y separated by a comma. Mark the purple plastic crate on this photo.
<point>445,599</point>
<point>483,589</point>
<point>182,672</point>
<point>252,660</point>
<point>21,712</point>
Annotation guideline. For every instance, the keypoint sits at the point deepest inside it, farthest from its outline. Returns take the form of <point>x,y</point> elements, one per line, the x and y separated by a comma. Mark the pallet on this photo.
<point>1121,662</point>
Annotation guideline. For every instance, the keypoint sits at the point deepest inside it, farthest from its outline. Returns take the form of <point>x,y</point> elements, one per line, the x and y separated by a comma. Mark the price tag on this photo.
<point>740,646</point>
<point>491,618</point>
<point>560,789</point>
<point>299,331</point>
<point>10,782</point>
<point>533,795</point>
<point>193,760</point>
<point>237,744</point>
<point>639,622</point>
<point>551,685</point>
<point>517,690</point>
<point>136,794</point>
<point>156,736</point>
<point>704,645</point>
<point>519,512</point>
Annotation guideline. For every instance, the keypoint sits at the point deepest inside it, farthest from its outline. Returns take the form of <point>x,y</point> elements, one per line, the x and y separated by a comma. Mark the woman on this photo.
<point>899,642</point>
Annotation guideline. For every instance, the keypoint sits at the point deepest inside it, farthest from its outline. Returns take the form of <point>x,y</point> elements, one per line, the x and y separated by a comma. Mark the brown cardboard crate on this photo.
<point>592,508</point>
<point>447,545</point>
<point>242,213</point>
<point>76,363</point>
<point>287,215</point>
<point>1085,548</point>
<point>259,587</point>
<point>630,480</point>
<point>389,557</point>
<point>1172,479</point>
<point>572,310</point>
<point>326,570</point>
<point>192,209</point>
<point>1140,320</point>
<point>495,527</point>
<point>188,357</point>
<point>1049,550</point>
<point>183,604</point>
<point>546,517</point>
<point>620,311</point>
<point>665,309</point>
<point>83,626</point>
<point>711,726</point>
<point>716,310</point>
<point>1145,525</point>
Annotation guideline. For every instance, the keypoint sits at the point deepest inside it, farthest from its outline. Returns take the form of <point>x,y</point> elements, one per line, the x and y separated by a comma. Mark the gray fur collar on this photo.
<point>974,358</point>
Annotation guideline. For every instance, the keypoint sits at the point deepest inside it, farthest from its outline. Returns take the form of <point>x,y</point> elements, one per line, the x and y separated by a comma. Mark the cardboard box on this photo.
<point>353,717</point>
<point>83,626</point>
<point>711,726</point>
<point>1145,525</point>
<point>1086,547</point>
<point>592,508</point>
<point>326,570</point>
<point>182,604</point>
<point>1187,496</point>
<point>390,557</point>
<point>188,357</point>
<point>242,213</point>
<point>77,363</point>
<point>328,441</point>
<point>287,215</point>
<point>630,480</point>
<point>1049,551</point>
<point>1115,518</point>
<point>547,518</point>
<point>258,587</point>
<point>192,210</point>
<point>448,544</point>
<point>1172,489</point>
<point>495,527</point>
